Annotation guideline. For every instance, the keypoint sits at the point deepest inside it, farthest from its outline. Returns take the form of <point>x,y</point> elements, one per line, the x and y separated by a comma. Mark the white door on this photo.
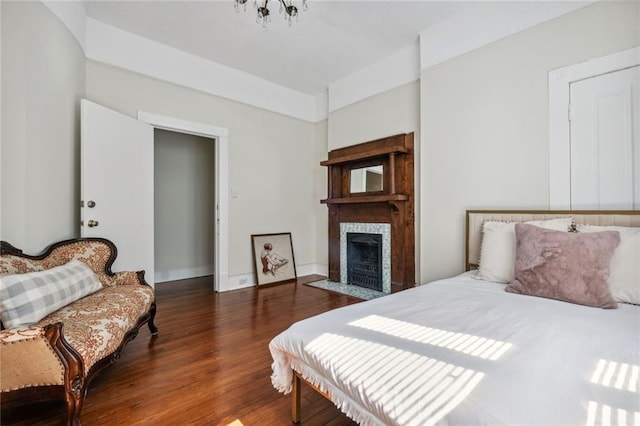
<point>605,141</point>
<point>117,185</point>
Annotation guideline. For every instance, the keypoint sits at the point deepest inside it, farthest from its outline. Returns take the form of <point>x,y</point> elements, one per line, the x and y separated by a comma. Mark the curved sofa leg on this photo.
<point>74,407</point>
<point>74,378</point>
<point>150,323</point>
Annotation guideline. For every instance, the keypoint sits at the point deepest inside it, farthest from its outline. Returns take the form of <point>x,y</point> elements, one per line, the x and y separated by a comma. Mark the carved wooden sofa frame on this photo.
<point>73,379</point>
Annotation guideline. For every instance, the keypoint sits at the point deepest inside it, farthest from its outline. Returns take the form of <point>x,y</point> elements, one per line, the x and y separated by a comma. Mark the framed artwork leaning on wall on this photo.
<point>273,258</point>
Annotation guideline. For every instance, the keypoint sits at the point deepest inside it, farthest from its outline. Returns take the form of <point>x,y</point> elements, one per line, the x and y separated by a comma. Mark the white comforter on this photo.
<point>465,352</point>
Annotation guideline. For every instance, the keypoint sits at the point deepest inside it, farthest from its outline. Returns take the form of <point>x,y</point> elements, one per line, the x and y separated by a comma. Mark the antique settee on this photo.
<point>56,357</point>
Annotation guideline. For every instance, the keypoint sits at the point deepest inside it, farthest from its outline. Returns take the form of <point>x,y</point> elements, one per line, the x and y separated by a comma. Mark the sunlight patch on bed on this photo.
<point>616,375</point>
<point>469,344</point>
<point>414,389</point>
<point>602,414</point>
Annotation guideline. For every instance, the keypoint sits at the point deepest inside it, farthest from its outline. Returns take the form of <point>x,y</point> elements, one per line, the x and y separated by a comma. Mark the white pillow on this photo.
<point>624,269</point>
<point>498,247</point>
<point>27,298</point>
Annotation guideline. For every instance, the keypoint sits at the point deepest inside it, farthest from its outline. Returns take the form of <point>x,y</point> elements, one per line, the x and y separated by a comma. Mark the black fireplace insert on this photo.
<point>364,260</point>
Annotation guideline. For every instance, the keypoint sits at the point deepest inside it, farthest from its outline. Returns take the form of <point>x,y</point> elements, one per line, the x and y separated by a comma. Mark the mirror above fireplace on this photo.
<point>367,179</point>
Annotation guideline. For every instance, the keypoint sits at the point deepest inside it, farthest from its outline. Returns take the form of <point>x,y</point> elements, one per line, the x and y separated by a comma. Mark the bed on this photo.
<point>463,351</point>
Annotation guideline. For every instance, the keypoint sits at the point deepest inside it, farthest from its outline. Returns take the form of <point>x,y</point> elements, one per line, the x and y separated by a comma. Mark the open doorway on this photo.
<point>220,138</point>
<point>184,205</point>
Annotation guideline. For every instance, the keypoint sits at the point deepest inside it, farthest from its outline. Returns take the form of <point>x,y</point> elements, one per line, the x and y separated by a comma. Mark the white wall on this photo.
<point>484,121</point>
<point>388,113</point>
<point>43,77</point>
<point>320,190</point>
<point>272,159</point>
<point>184,205</point>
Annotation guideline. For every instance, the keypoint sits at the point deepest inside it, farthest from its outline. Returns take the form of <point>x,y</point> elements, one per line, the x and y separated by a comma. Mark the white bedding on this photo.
<point>465,352</point>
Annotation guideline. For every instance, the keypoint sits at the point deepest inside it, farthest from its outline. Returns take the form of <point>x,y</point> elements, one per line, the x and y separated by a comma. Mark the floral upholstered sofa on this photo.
<point>56,356</point>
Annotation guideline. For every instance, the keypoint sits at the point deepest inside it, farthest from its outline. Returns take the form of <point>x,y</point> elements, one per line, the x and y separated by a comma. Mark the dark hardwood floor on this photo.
<point>209,364</point>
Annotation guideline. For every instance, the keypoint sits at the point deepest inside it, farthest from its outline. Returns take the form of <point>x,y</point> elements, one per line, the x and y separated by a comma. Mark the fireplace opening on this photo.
<point>364,260</point>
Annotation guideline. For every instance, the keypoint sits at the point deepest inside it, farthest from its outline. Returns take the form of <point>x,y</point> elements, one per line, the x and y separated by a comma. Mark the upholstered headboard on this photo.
<point>475,219</point>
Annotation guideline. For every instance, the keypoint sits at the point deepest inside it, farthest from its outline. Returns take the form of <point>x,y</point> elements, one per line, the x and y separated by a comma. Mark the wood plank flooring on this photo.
<point>209,364</point>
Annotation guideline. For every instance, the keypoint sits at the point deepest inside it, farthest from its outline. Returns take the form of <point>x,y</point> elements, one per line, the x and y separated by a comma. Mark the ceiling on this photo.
<point>331,40</point>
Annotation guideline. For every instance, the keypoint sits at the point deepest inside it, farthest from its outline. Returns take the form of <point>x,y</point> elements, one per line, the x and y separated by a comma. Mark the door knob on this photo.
<point>92,223</point>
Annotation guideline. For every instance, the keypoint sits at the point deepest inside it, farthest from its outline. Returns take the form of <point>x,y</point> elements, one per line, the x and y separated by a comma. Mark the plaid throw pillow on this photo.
<point>27,298</point>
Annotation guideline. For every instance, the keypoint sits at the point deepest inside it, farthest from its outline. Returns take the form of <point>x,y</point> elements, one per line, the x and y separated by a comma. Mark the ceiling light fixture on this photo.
<point>264,15</point>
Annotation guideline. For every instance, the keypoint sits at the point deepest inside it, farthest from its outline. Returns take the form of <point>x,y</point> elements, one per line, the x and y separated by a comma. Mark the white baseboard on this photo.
<point>312,269</point>
<point>236,282</point>
<point>233,282</point>
<point>183,273</point>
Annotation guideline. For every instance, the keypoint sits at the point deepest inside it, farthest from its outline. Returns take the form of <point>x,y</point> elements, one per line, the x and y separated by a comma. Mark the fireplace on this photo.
<point>387,209</point>
<point>364,260</point>
<point>365,253</point>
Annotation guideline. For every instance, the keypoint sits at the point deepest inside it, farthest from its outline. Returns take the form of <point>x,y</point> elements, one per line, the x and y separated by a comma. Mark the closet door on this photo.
<point>605,141</point>
<point>117,185</point>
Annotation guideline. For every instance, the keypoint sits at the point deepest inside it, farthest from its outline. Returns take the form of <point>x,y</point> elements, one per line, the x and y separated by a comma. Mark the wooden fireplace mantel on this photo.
<point>394,204</point>
<point>377,152</point>
<point>389,152</point>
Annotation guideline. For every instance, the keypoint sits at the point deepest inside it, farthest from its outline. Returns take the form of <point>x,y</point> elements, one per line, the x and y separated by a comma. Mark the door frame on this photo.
<point>559,126</point>
<point>220,140</point>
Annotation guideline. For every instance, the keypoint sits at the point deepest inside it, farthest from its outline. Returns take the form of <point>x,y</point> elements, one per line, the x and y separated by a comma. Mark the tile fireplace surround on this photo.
<point>389,212</point>
<point>383,229</point>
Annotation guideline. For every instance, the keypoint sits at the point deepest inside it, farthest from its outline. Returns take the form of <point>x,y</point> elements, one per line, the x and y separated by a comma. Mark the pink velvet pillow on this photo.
<point>565,266</point>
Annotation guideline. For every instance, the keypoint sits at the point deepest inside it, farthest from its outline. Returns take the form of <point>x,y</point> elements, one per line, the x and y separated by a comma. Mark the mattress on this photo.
<point>462,351</point>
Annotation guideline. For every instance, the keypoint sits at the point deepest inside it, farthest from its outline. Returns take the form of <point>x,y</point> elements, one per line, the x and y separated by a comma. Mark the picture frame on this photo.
<point>273,258</point>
